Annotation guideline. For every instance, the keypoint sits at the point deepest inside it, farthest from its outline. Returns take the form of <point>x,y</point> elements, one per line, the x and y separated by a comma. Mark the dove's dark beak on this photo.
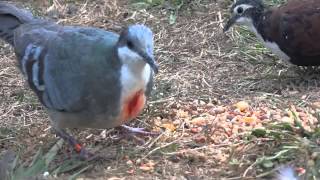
<point>149,59</point>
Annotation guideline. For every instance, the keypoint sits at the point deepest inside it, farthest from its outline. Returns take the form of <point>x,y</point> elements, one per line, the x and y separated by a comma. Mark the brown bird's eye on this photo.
<point>240,10</point>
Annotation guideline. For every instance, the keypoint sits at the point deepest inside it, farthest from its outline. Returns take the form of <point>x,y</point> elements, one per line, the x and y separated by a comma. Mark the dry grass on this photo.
<point>199,66</point>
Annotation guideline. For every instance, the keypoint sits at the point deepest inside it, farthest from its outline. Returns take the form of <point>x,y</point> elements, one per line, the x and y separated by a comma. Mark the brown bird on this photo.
<point>290,31</point>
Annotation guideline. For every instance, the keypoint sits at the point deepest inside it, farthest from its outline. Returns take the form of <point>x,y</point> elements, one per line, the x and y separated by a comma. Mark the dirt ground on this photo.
<point>203,73</point>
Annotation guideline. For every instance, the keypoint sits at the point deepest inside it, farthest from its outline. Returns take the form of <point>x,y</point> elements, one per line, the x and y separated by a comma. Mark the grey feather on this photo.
<point>75,65</point>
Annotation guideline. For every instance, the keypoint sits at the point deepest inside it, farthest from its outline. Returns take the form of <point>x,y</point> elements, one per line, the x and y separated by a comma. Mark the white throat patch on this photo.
<point>246,22</point>
<point>274,48</point>
<point>135,72</point>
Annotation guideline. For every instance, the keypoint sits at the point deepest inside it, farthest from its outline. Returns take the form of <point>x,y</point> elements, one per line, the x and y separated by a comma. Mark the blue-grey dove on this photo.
<point>85,77</point>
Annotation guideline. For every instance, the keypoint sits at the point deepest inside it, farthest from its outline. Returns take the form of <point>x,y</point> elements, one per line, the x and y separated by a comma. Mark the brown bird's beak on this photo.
<point>230,23</point>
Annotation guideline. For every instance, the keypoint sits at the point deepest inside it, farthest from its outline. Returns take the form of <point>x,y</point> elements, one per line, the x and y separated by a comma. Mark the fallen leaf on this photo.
<point>303,115</point>
<point>267,164</point>
<point>264,117</point>
<point>242,106</point>
<point>151,163</point>
<point>230,116</point>
<point>276,117</point>
<point>202,103</point>
<point>103,134</point>
<point>311,163</point>
<point>199,121</point>
<point>194,156</point>
<point>169,126</point>
<point>249,120</point>
<point>194,113</point>
<point>138,161</point>
<point>175,158</point>
<point>129,163</point>
<point>315,105</point>
<point>126,157</point>
<point>149,166</point>
<point>287,119</point>
<point>130,171</point>
<point>196,129</point>
<point>182,114</point>
<point>315,155</point>
<point>115,178</point>
<point>217,110</point>
<point>290,114</point>
<point>146,168</point>
<point>209,105</point>
<point>200,139</point>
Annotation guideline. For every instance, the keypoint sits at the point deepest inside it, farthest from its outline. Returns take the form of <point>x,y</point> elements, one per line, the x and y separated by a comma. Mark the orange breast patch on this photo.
<point>133,105</point>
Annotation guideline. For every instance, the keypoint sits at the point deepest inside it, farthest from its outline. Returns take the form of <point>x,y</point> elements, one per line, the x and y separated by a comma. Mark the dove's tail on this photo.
<point>11,18</point>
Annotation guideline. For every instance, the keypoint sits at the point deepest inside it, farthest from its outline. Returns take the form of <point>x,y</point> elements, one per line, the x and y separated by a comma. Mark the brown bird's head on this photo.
<point>245,12</point>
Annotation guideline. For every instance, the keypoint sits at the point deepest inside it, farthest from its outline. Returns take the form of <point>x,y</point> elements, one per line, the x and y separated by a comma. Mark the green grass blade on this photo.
<point>53,152</point>
<point>74,176</point>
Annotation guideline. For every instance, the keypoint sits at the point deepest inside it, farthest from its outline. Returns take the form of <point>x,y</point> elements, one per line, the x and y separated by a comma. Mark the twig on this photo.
<point>8,138</point>
<point>220,19</point>
<point>155,140</point>
<point>249,168</point>
<point>203,147</point>
<point>161,100</point>
<point>166,145</point>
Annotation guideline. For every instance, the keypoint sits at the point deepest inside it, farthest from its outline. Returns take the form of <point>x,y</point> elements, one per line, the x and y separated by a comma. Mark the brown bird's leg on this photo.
<point>140,131</point>
<point>84,154</point>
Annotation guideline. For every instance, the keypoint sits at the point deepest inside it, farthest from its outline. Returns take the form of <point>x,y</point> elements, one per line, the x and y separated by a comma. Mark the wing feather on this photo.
<point>67,66</point>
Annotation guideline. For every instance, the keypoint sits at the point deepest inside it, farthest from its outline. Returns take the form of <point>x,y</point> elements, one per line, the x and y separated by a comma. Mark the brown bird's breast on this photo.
<point>295,27</point>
